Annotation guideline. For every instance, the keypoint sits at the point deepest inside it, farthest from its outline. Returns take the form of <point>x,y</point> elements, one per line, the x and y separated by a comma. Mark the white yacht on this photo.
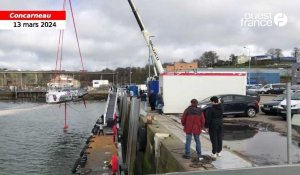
<point>64,95</point>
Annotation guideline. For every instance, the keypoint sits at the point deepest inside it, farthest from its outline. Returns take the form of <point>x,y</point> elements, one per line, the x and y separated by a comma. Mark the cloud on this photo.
<point>110,37</point>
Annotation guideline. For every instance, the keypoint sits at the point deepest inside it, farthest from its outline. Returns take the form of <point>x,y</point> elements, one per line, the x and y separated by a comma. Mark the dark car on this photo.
<point>235,104</point>
<point>272,106</point>
<point>276,90</point>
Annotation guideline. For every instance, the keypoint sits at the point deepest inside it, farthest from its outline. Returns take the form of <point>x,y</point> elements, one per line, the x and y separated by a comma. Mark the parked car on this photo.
<point>253,94</point>
<point>235,104</point>
<point>295,105</point>
<point>277,88</point>
<point>271,107</point>
<point>255,88</point>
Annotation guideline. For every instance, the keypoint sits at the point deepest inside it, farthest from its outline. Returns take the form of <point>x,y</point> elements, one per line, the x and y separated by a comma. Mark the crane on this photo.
<point>153,53</point>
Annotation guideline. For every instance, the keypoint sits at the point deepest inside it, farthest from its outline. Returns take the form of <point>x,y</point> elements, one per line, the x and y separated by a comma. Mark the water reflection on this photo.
<point>238,131</point>
<point>259,145</point>
<point>32,140</point>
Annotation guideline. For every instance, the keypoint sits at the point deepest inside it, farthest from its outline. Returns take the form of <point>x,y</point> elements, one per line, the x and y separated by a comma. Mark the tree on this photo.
<point>209,58</point>
<point>181,60</point>
<point>233,59</point>
<point>296,53</point>
<point>199,63</point>
<point>275,53</point>
<point>278,53</point>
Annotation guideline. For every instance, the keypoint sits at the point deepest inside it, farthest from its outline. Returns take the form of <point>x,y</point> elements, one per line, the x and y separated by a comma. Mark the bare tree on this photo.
<point>275,53</point>
<point>209,58</point>
<point>296,53</point>
<point>233,59</point>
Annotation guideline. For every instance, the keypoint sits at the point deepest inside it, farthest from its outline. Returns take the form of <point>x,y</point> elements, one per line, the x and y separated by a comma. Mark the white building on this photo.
<point>242,59</point>
<point>62,81</point>
<point>99,83</point>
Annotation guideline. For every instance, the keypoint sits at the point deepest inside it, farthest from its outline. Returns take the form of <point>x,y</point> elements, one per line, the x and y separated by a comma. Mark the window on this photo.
<point>227,98</point>
<point>295,96</point>
<point>239,98</point>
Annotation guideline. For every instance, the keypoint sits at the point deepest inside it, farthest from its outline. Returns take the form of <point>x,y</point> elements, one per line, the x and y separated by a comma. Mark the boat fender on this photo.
<point>142,138</point>
<point>114,163</point>
<point>75,167</point>
<point>83,150</point>
<point>83,160</point>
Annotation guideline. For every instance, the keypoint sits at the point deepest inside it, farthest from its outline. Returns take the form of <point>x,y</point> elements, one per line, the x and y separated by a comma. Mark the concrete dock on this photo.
<point>151,143</point>
<point>229,160</point>
<point>173,148</point>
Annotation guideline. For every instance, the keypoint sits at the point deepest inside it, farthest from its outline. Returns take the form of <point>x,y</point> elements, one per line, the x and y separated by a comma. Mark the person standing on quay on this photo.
<point>193,121</point>
<point>152,100</point>
<point>214,125</point>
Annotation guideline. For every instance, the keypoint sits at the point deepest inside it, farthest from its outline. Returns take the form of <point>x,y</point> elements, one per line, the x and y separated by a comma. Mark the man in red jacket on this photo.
<point>193,121</point>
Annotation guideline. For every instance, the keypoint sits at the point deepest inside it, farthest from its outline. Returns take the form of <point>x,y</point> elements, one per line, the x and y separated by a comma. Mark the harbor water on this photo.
<point>32,139</point>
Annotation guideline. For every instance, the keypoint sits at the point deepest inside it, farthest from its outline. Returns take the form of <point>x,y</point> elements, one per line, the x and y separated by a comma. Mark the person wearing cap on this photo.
<point>193,121</point>
<point>214,126</point>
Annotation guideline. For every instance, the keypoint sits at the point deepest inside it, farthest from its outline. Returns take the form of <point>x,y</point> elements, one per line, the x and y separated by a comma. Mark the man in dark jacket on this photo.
<point>193,121</point>
<point>152,100</point>
<point>214,125</point>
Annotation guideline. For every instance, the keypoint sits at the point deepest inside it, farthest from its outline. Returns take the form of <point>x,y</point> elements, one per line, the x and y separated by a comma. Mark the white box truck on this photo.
<point>177,89</point>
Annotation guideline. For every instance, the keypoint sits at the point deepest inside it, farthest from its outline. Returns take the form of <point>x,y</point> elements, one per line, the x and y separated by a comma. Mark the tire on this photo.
<point>251,112</point>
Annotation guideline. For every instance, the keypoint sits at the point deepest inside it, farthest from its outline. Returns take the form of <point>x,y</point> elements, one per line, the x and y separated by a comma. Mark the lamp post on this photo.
<point>117,79</point>
<point>249,63</point>
<point>130,75</point>
<point>150,42</point>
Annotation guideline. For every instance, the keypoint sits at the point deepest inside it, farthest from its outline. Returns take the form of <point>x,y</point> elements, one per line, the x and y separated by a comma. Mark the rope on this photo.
<point>76,35</point>
<point>61,51</point>
<point>57,52</point>
<point>81,110</point>
<point>78,45</point>
<point>59,47</point>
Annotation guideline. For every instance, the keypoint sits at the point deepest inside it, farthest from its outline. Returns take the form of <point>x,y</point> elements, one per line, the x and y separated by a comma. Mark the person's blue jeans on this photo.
<point>188,144</point>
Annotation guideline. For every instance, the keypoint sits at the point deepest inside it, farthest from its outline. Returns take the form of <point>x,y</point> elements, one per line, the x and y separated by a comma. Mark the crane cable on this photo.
<point>59,48</point>
<point>78,45</point>
<point>60,45</point>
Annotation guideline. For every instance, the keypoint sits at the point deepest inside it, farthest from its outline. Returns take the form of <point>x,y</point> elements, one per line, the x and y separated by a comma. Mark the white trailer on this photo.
<point>177,89</point>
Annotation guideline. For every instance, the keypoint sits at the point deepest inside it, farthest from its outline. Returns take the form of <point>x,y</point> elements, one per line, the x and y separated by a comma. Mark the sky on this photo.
<point>109,35</point>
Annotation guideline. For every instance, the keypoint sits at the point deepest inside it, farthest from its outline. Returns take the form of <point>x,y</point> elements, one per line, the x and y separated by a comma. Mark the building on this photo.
<point>261,57</point>
<point>100,83</point>
<point>289,59</point>
<point>242,59</point>
<point>62,81</point>
<point>182,67</point>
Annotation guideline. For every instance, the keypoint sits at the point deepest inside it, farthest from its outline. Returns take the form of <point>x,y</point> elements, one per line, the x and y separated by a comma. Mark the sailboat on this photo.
<point>65,90</point>
<point>59,91</point>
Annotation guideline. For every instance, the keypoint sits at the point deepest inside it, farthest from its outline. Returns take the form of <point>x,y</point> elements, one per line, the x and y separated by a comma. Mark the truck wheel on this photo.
<point>251,112</point>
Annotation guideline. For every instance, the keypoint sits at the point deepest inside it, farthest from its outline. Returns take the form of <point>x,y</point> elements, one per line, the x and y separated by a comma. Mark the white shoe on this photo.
<point>219,154</point>
<point>213,155</point>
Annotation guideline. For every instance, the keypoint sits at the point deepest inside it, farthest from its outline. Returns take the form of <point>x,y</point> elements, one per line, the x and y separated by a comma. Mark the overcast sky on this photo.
<point>110,37</point>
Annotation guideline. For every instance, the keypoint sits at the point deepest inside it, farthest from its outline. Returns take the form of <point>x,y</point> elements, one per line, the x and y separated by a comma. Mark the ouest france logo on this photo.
<point>264,19</point>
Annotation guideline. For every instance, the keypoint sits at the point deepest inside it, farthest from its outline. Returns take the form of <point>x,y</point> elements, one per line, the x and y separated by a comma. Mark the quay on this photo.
<point>40,95</point>
<point>150,143</point>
